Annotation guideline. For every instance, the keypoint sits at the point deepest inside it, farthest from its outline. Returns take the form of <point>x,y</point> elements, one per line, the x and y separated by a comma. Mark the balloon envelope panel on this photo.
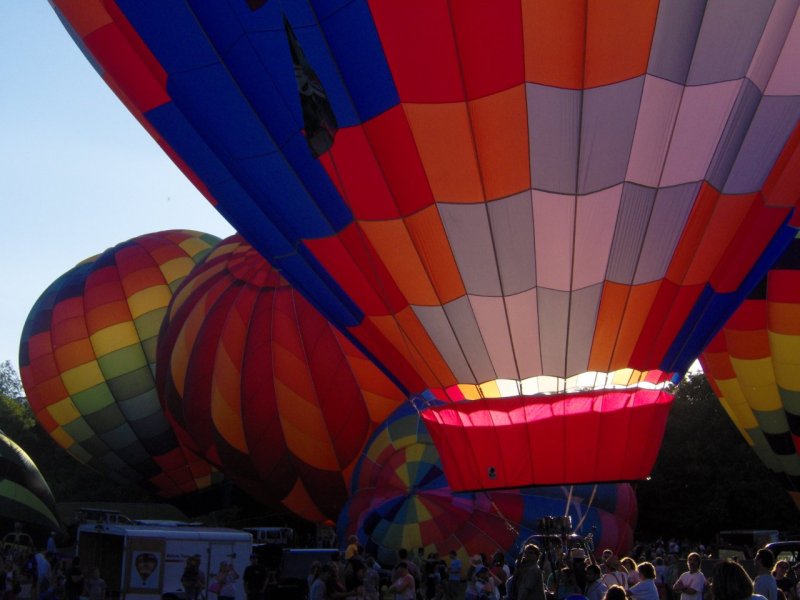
<point>24,494</point>
<point>753,366</point>
<point>258,381</point>
<point>88,360</point>
<point>401,499</point>
<point>515,434</point>
<point>481,191</point>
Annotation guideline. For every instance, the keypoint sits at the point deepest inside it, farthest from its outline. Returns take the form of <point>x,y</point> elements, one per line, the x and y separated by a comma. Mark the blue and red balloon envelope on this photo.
<point>479,193</point>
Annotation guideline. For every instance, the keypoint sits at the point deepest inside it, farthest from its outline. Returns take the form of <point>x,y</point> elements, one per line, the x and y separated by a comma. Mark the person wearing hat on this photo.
<point>255,579</point>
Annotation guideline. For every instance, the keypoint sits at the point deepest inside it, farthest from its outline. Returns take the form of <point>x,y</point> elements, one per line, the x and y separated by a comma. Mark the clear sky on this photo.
<point>78,174</point>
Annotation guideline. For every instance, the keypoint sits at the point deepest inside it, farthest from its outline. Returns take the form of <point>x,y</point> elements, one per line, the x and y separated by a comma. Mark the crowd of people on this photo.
<point>46,575</point>
<point>544,574</point>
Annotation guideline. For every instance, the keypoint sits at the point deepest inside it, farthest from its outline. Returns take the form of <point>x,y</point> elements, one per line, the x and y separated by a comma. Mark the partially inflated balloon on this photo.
<point>256,380</point>
<point>753,366</point>
<point>88,360</point>
<point>482,193</point>
<point>24,494</point>
<point>401,499</point>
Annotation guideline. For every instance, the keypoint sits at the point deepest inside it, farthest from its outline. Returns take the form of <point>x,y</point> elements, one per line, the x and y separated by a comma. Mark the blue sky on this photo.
<point>79,174</point>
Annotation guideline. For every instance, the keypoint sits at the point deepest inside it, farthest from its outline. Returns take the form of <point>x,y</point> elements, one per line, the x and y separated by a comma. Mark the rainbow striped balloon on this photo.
<point>88,361</point>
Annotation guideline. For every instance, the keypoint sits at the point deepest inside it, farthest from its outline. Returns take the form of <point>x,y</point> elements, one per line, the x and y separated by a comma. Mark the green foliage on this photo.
<point>707,478</point>
<point>10,385</point>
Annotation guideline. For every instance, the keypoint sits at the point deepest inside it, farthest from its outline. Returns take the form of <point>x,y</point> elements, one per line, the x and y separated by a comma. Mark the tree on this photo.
<point>10,385</point>
<point>707,479</point>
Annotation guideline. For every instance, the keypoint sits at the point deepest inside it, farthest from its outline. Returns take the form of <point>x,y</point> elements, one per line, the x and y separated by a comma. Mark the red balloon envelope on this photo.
<point>255,379</point>
<point>482,191</point>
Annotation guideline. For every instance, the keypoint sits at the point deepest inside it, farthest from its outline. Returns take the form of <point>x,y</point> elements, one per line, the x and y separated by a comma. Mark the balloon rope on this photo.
<point>569,501</point>
<point>509,524</point>
<point>588,506</point>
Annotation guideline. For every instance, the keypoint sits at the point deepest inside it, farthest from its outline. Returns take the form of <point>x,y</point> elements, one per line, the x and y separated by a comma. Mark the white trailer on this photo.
<point>146,561</point>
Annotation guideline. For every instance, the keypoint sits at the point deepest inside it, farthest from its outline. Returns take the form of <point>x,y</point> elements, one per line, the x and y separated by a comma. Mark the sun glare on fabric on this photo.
<point>542,385</point>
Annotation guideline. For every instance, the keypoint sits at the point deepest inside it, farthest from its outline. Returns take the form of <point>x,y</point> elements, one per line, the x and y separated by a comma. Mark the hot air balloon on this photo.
<point>24,494</point>
<point>482,193</point>
<point>88,359</point>
<point>401,499</point>
<point>752,366</point>
<point>256,380</point>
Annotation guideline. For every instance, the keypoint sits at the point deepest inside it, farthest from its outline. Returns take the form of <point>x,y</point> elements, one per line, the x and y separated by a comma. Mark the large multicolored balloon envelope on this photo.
<point>258,381</point>
<point>88,361</point>
<point>401,499</point>
<point>753,366</point>
<point>482,193</point>
<point>24,494</point>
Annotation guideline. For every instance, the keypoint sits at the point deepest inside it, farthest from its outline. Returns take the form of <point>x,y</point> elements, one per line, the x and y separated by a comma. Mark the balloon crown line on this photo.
<point>546,386</point>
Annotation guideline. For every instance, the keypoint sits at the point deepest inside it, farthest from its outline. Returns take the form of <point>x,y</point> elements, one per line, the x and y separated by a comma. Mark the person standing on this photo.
<point>319,587</point>
<point>404,587</point>
<point>454,587</point>
<point>646,588</point>
<point>95,585</point>
<point>784,579</point>
<point>255,579</point>
<point>731,582</point>
<point>352,547</point>
<point>193,579</point>
<point>691,583</point>
<point>9,581</point>
<point>372,580</point>
<point>616,573</point>
<point>73,586</point>
<point>43,572</point>
<point>528,580</point>
<point>764,583</point>
<point>595,588</point>
<point>227,577</point>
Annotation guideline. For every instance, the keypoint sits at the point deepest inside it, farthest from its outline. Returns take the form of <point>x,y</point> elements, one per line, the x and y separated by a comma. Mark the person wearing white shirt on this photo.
<point>595,588</point>
<point>691,583</point>
<point>646,588</point>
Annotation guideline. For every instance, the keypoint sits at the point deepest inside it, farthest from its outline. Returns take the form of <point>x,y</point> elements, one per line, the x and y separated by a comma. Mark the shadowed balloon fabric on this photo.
<point>24,494</point>
<point>88,361</point>
<point>401,499</point>
<point>753,366</point>
<point>255,379</point>
<point>510,190</point>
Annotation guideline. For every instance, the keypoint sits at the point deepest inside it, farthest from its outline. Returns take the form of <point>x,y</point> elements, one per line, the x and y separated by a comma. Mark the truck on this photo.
<point>741,544</point>
<point>145,560</point>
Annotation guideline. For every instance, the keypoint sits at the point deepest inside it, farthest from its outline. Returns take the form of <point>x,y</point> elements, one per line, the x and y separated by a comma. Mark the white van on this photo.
<point>141,561</point>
